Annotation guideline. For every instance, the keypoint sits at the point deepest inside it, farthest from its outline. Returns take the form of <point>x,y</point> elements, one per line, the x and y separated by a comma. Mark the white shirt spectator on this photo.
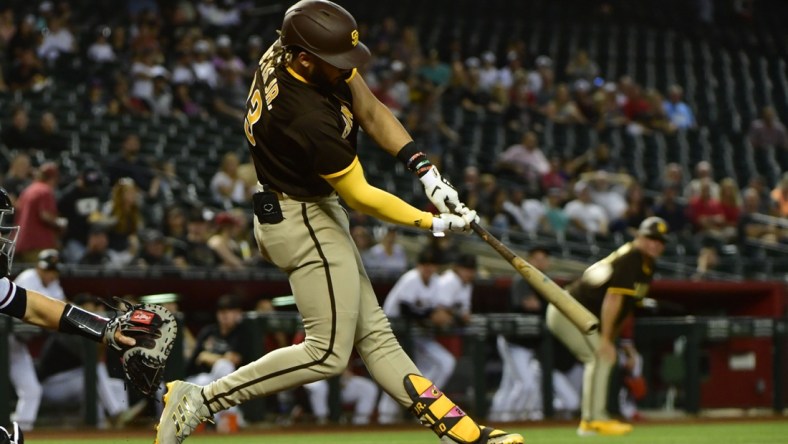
<point>143,79</point>
<point>527,214</point>
<point>590,215</point>
<point>612,200</point>
<point>55,43</point>
<point>221,179</point>
<point>101,53</point>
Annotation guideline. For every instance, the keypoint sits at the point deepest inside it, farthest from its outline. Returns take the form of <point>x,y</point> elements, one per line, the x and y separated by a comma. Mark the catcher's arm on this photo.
<point>53,314</point>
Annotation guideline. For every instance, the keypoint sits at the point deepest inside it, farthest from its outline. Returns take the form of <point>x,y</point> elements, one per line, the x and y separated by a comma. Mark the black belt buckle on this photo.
<point>266,207</point>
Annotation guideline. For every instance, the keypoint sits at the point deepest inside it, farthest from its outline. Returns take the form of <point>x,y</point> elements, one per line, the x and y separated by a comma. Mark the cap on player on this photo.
<point>654,228</point>
<point>49,259</point>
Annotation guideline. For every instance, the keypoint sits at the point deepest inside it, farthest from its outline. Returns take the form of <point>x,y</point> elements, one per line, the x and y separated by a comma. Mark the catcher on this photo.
<point>144,333</point>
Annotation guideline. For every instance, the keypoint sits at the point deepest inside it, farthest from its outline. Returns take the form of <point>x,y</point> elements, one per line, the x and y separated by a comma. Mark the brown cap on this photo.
<point>654,228</point>
<point>326,30</point>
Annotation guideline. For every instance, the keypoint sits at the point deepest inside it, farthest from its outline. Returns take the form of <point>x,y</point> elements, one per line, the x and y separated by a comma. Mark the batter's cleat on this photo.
<point>609,427</point>
<point>184,411</point>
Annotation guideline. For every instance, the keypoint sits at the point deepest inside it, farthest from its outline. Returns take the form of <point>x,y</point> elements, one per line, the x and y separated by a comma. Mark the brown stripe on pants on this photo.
<point>335,298</point>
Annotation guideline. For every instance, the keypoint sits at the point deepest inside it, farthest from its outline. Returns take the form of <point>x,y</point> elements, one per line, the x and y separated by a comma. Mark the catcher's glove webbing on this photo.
<point>154,329</point>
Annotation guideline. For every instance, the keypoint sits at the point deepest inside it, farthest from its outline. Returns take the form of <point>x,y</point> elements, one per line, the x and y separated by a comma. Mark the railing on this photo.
<point>698,332</point>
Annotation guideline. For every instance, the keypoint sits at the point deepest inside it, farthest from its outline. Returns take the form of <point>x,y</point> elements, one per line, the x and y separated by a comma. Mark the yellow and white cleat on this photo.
<point>609,427</point>
<point>184,410</point>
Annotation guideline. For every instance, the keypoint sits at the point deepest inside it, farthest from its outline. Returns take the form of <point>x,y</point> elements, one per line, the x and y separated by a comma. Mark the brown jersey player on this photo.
<point>306,104</point>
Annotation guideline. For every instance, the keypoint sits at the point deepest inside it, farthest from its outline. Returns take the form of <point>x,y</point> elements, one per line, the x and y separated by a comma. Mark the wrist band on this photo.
<point>77,321</point>
<point>416,161</point>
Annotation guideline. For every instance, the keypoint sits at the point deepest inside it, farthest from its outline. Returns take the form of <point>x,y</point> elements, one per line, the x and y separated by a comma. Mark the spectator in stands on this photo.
<point>585,217</point>
<point>224,242</point>
<point>387,256</point>
<point>362,238</point>
<point>584,101</point>
<point>79,202</point>
<point>143,70</point>
<point>202,65</point>
<point>100,51</point>
<point>184,105</point>
<point>57,41</point>
<point>19,175</point>
<point>597,158</point>
<point>435,70</point>
<point>562,109</point>
<point>426,124</point>
<point>609,111</point>
<point>97,252</point>
<point>36,210</point>
<point>225,58</point>
<point>96,102</point>
<point>220,15</point>
<point>523,214</point>
<point>130,164</point>
<point>123,216</point>
<point>19,135</point>
<point>49,139</point>
<point>488,72</point>
<point>657,118</point>
<point>639,207</point>
<point>25,38</point>
<point>524,160</point>
<point>160,101</point>
<point>750,228</point>
<point>182,73</point>
<point>166,188</point>
<point>7,25</point>
<point>121,101</point>
<point>636,109</point>
<point>769,140</point>
<point>558,176</point>
<point>609,192</point>
<point>555,220</point>
<point>768,131</point>
<point>702,176</point>
<point>218,349</point>
<point>174,225</point>
<point>730,202</point>
<point>194,251</point>
<point>779,197</point>
<point>541,79</point>
<point>517,115</point>
<point>669,208</point>
<point>154,250</point>
<point>678,112</point>
<point>673,176</point>
<point>582,67</point>
<point>758,184</point>
<point>705,213</point>
<point>226,186</point>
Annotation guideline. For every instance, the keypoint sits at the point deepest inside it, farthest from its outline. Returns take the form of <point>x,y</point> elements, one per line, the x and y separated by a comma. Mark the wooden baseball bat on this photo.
<point>568,305</point>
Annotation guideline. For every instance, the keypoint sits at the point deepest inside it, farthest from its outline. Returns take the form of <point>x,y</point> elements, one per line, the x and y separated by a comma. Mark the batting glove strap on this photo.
<point>448,222</point>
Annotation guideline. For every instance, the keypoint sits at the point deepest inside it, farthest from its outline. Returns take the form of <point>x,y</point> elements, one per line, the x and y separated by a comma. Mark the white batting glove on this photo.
<point>449,223</point>
<point>441,193</point>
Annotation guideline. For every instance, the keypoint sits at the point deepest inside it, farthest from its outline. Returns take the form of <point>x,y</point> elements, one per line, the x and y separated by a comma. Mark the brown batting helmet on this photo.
<point>326,30</point>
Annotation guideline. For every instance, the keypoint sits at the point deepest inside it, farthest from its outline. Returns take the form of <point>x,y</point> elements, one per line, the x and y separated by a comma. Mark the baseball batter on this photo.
<point>305,106</point>
<point>610,288</point>
<point>37,309</point>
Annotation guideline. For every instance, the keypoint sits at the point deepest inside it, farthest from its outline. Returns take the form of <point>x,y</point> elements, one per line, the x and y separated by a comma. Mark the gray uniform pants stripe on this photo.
<point>596,375</point>
<point>335,298</point>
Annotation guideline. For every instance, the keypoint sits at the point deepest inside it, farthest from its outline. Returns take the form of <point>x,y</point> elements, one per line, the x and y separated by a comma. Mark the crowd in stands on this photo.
<point>192,61</point>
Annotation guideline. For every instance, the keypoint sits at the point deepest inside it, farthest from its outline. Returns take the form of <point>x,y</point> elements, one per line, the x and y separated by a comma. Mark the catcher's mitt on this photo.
<point>154,329</point>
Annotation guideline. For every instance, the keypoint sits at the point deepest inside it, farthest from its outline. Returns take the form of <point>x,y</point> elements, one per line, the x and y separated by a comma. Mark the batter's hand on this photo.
<point>450,222</point>
<point>441,193</point>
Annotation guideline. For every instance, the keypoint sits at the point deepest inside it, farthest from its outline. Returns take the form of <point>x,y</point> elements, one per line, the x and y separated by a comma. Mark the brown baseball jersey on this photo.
<point>626,271</point>
<point>298,131</point>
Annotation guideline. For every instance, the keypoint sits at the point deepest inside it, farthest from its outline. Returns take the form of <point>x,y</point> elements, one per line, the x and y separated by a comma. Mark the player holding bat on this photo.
<point>610,289</point>
<point>306,104</point>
